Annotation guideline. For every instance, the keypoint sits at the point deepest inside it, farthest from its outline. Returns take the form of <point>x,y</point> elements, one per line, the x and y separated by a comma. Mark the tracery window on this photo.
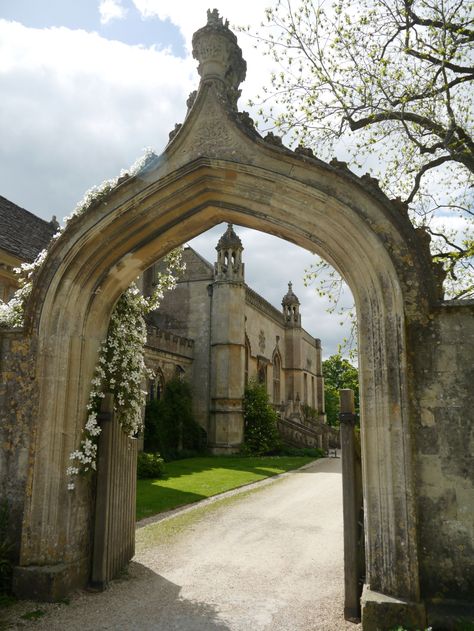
<point>276,378</point>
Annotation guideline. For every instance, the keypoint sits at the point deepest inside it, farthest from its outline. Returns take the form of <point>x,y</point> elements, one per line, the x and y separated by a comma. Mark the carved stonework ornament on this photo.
<point>214,133</point>
<point>219,55</point>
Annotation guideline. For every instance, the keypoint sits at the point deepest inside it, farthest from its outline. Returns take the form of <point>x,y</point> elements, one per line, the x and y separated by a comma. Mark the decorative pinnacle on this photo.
<point>229,239</point>
<point>290,298</point>
<point>219,55</point>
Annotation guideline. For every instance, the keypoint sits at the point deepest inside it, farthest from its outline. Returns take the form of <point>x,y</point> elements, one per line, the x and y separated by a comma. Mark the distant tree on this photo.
<point>389,81</point>
<point>260,421</point>
<point>338,374</point>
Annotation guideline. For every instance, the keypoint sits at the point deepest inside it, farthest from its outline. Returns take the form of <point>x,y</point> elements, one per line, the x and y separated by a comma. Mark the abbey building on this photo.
<point>220,333</point>
<point>213,330</point>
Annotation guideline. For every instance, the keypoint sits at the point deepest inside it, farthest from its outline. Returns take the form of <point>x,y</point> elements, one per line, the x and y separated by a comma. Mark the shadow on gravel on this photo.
<point>157,605</point>
<point>140,599</point>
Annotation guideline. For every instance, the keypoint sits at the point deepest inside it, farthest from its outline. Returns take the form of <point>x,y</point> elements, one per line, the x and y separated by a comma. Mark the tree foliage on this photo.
<point>338,374</point>
<point>260,421</point>
<point>390,83</point>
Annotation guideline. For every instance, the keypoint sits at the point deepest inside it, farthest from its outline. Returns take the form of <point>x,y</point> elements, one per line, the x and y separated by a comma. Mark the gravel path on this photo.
<point>268,559</point>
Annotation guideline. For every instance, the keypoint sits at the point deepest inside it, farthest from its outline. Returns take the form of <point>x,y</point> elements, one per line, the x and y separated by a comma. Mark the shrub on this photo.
<point>170,427</point>
<point>260,421</point>
<point>312,452</point>
<point>150,465</point>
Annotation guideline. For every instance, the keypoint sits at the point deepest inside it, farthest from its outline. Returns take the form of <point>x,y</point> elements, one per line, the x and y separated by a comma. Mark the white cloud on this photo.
<point>111,10</point>
<point>76,108</point>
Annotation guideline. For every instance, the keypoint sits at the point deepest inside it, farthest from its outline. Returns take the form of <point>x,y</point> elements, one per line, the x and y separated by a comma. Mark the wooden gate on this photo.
<point>353,507</point>
<point>115,510</point>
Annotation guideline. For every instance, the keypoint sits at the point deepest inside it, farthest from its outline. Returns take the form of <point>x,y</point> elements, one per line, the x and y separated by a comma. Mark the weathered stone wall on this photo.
<point>18,400</point>
<point>444,389</point>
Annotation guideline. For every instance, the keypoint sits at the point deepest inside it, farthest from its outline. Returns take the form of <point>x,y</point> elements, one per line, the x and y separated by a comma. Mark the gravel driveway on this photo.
<point>267,559</point>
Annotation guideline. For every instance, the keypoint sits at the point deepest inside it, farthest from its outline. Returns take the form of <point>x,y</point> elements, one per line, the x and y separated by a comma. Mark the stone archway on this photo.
<point>217,168</point>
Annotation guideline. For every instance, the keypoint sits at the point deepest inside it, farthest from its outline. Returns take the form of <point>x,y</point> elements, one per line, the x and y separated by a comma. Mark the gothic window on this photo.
<point>160,385</point>
<point>276,378</point>
<point>262,375</point>
<point>151,390</point>
<point>313,394</point>
<point>305,388</point>
<point>247,360</point>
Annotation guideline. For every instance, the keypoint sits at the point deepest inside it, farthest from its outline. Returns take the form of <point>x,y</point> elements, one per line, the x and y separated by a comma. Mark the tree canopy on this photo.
<point>387,83</point>
<point>338,374</point>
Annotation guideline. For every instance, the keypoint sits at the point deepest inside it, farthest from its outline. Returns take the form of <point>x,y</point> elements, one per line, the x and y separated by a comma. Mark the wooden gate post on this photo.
<point>352,500</point>
<point>114,528</point>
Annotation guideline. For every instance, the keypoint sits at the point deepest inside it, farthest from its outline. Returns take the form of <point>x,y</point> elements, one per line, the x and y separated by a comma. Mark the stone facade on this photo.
<point>238,336</point>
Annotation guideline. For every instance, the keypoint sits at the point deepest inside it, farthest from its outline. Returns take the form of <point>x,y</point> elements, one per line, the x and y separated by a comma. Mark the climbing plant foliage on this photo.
<point>121,367</point>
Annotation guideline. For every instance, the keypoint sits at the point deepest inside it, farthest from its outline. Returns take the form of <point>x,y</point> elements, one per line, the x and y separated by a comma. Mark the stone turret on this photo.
<point>227,345</point>
<point>293,344</point>
<point>229,266</point>
<point>291,307</point>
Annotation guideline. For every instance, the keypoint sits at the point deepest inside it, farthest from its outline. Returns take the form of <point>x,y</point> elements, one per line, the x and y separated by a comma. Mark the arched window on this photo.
<point>276,379</point>
<point>262,375</point>
<point>151,390</point>
<point>160,385</point>
<point>247,361</point>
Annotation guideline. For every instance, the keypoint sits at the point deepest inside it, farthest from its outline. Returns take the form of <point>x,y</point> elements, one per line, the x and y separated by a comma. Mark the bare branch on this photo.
<point>421,172</point>
<point>439,62</point>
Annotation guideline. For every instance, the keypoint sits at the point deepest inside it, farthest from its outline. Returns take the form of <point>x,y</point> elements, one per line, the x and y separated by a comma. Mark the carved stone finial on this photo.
<point>304,151</point>
<point>338,164</point>
<point>273,139</point>
<point>213,19</point>
<point>370,181</point>
<point>219,55</point>
<point>401,205</point>
<point>54,222</point>
<point>191,99</point>
<point>173,133</point>
<point>247,121</point>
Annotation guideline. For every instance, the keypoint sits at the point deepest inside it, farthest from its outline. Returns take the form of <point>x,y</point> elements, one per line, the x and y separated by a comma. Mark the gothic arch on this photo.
<point>248,355</point>
<point>277,372</point>
<point>217,168</point>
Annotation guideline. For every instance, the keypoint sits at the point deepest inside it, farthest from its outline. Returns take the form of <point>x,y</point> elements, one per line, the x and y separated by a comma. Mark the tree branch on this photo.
<point>452,27</point>
<point>430,94</point>
<point>439,62</point>
<point>426,167</point>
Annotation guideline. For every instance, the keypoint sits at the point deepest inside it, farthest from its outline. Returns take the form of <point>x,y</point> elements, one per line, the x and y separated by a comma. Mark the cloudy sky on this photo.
<point>86,85</point>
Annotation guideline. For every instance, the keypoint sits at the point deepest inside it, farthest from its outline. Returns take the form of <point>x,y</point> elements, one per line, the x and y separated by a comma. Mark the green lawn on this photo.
<point>193,479</point>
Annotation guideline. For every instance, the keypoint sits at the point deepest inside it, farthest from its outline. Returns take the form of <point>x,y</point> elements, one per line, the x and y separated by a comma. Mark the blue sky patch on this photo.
<point>133,29</point>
